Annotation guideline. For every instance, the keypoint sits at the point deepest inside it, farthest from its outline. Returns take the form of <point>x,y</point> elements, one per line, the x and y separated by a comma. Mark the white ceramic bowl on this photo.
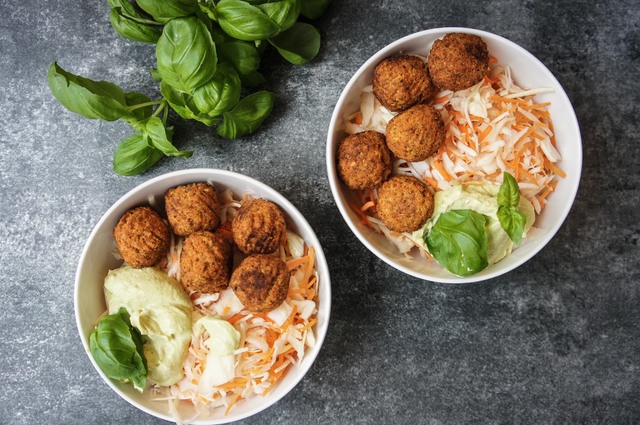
<point>528,72</point>
<point>97,259</point>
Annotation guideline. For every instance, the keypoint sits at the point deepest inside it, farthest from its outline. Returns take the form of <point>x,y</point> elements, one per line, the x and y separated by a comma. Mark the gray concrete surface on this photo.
<point>555,341</point>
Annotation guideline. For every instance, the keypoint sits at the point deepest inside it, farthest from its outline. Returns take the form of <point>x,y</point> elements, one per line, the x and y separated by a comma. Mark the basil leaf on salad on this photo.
<point>116,346</point>
<point>458,241</point>
<point>512,221</point>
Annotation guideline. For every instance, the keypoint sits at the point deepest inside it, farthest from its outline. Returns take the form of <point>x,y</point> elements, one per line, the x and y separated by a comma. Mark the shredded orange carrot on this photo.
<point>311,294</point>
<point>224,232</point>
<point>310,324</point>
<point>310,264</point>
<point>438,166</point>
<point>292,264</point>
<point>233,319</point>
<point>361,215</point>
<point>368,205</point>
<point>288,322</point>
<point>431,181</point>
<point>550,165</point>
<point>484,134</point>
<point>231,403</point>
<point>441,99</point>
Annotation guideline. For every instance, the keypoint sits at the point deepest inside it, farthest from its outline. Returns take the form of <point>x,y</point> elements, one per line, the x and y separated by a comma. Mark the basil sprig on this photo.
<point>458,241</point>
<point>206,51</point>
<point>511,220</point>
<point>116,346</point>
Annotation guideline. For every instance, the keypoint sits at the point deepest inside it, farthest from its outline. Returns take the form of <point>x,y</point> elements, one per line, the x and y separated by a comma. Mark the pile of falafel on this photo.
<point>193,211</point>
<point>405,84</point>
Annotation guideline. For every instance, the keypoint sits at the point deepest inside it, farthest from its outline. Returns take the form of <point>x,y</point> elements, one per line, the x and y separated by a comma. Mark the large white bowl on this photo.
<point>97,259</point>
<point>528,72</point>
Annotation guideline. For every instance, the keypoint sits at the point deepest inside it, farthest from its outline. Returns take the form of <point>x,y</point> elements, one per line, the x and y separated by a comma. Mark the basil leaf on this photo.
<point>219,94</point>
<point>91,99</point>
<point>509,192</point>
<point>242,55</point>
<point>164,10</point>
<point>184,105</point>
<point>116,346</point>
<point>186,54</point>
<point>247,115</point>
<point>135,155</point>
<point>132,30</point>
<point>299,44</point>
<point>284,13</point>
<point>141,113</point>
<point>160,139</point>
<point>245,22</point>
<point>130,10</point>
<point>155,75</point>
<point>313,9</point>
<point>458,241</point>
<point>209,10</point>
<point>512,221</point>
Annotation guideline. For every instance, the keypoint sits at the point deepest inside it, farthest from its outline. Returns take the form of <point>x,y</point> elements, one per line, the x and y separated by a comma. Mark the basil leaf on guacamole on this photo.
<point>458,241</point>
<point>117,348</point>
<point>512,221</point>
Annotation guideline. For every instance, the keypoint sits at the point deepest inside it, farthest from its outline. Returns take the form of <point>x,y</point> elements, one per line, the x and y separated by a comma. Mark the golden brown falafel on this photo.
<point>205,263</point>
<point>142,237</point>
<point>364,160</point>
<point>259,227</point>
<point>261,282</point>
<point>192,207</point>
<point>401,82</point>
<point>404,203</point>
<point>458,61</point>
<point>416,134</point>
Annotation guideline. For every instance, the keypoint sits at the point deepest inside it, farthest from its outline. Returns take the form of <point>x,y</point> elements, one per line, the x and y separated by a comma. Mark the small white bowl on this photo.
<point>97,259</point>
<point>528,72</point>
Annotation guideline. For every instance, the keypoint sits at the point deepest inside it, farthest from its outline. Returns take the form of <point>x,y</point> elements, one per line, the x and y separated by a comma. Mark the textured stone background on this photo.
<point>556,341</point>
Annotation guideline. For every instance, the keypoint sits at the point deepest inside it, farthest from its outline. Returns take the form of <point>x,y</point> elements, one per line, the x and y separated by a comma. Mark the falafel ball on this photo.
<point>142,237</point>
<point>259,227</point>
<point>402,81</point>
<point>416,134</point>
<point>205,262</point>
<point>192,207</point>
<point>458,61</point>
<point>404,203</point>
<point>364,160</point>
<point>261,282</point>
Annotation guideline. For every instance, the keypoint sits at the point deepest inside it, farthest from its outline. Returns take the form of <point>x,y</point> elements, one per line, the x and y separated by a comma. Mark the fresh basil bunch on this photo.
<point>207,52</point>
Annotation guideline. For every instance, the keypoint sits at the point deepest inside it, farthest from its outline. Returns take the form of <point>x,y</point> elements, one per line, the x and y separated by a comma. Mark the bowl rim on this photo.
<point>332,143</point>
<point>292,212</point>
